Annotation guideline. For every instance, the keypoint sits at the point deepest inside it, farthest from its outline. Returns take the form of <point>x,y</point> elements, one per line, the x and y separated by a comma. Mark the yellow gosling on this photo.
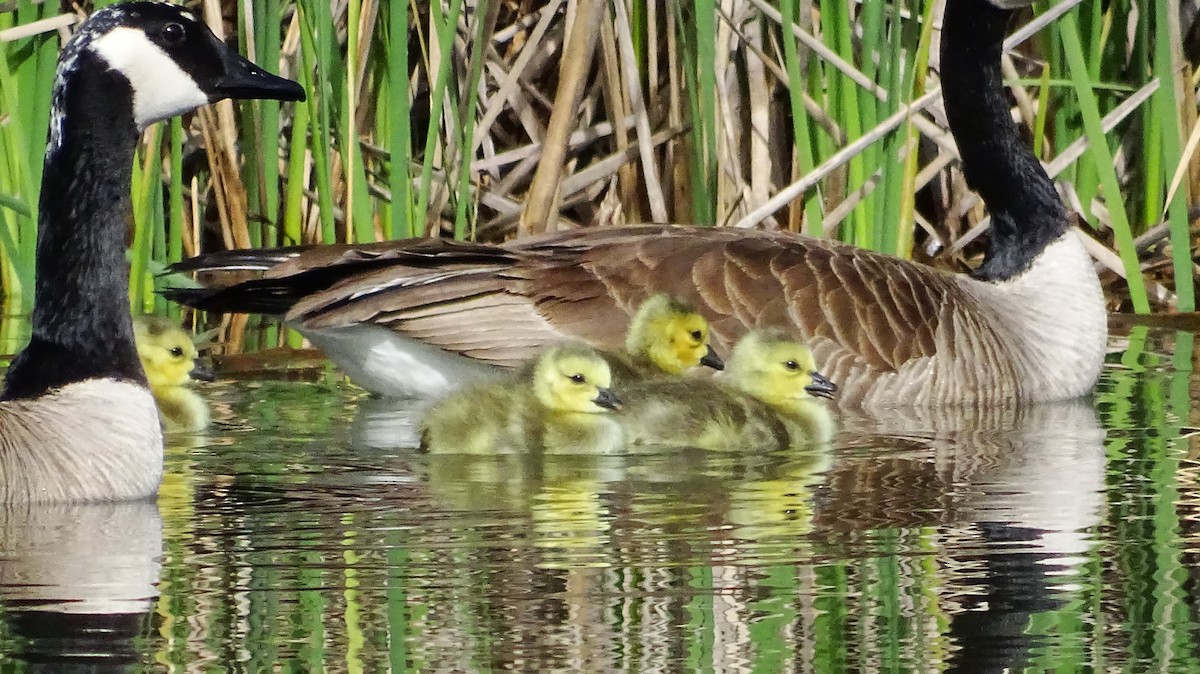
<point>666,336</point>
<point>768,399</point>
<point>169,359</point>
<point>781,371</point>
<point>561,403</point>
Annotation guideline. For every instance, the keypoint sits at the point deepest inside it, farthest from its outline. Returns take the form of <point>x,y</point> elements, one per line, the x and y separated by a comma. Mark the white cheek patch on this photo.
<point>160,87</point>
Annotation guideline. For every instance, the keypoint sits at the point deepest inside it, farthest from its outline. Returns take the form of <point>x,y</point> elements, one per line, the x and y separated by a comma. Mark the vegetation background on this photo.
<point>436,117</point>
<point>496,118</point>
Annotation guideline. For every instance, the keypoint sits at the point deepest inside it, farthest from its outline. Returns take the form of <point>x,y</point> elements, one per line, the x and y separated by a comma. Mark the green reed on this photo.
<point>29,67</point>
<point>389,143</point>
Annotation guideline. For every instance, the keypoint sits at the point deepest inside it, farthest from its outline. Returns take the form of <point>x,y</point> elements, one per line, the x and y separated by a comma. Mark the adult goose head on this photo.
<point>1028,325</point>
<point>77,421</point>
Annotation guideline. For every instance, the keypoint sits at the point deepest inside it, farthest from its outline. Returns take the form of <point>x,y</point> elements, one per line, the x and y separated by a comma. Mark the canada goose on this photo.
<point>169,358</point>
<point>77,420</point>
<point>1028,325</point>
<point>561,405</point>
<point>665,337</point>
<point>768,399</point>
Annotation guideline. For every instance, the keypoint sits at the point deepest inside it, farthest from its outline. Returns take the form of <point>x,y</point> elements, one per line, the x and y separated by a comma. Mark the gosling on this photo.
<point>666,336</point>
<point>560,403</point>
<point>169,358</point>
<point>768,399</point>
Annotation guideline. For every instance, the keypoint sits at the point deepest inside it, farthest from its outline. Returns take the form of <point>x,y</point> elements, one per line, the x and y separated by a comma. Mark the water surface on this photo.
<point>302,533</point>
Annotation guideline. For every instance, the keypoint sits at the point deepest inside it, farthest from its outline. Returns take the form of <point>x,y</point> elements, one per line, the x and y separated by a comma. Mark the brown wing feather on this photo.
<point>878,310</point>
<point>500,303</point>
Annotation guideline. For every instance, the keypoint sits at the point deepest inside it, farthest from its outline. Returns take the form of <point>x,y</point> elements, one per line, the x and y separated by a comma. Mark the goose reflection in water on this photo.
<point>1004,500</point>
<point>1014,494</point>
<point>78,582</point>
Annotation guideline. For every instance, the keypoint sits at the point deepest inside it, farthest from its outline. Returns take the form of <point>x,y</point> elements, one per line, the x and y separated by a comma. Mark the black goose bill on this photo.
<point>174,63</point>
<point>821,387</point>
<point>711,359</point>
<point>608,400</point>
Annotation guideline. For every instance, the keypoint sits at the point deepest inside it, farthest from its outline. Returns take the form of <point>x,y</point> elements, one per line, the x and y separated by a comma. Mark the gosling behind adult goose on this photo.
<point>665,337</point>
<point>1029,324</point>
<point>168,356</point>
<point>77,421</point>
<point>560,404</point>
<point>768,399</point>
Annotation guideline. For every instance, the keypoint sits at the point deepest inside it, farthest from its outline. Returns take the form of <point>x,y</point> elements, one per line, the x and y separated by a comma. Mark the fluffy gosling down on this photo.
<point>768,399</point>
<point>562,403</point>
<point>169,358</point>
<point>666,336</point>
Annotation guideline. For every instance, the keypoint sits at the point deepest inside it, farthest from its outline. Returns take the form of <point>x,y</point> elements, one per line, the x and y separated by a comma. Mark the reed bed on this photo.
<point>490,119</point>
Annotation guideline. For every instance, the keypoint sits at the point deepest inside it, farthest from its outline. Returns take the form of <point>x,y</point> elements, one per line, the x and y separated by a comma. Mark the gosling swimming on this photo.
<point>768,399</point>
<point>561,403</point>
<point>168,356</point>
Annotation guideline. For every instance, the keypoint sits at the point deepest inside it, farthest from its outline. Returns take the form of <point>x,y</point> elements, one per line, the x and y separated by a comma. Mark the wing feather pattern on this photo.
<point>866,314</point>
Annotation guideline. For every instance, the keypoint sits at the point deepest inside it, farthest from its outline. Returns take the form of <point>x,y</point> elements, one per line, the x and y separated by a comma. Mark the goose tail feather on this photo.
<point>250,297</point>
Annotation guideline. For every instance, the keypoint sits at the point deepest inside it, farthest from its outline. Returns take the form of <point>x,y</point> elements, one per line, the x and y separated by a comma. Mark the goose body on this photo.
<point>1028,325</point>
<point>768,399</point>
<point>77,419</point>
<point>561,403</point>
<point>168,357</point>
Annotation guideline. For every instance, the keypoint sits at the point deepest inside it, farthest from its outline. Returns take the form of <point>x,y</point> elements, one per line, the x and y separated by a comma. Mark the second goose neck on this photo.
<point>81,320</point>
<point>1026,211</point>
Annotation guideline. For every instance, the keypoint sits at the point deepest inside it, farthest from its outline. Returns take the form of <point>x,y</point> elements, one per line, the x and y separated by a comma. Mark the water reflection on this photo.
<point>1005,499</point>
<point>77,583</point>
<point>1019,492</point>
<point>1040,467</point>
<point>305,533</point>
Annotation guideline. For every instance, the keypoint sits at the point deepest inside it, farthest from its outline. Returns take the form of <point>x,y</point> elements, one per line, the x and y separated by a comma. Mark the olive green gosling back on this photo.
<point>561,403</point>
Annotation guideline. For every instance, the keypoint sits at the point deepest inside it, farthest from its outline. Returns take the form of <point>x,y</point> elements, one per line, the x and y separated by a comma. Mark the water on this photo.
<point>302,534</point>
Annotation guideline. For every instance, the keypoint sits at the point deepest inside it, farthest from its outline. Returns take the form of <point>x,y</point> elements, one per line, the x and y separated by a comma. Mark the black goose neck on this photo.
<point>1027,213</point>
<point>81,323</point>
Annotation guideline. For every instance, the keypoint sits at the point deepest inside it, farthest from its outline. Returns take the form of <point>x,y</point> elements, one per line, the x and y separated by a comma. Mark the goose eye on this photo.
<point>173,34</point>
<point>177,351</point>
<point>578,378</point>
<point>792,365</point>
<point>697,336</point>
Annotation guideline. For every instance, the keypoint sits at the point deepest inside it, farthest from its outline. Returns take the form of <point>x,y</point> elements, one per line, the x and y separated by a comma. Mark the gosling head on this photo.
<point>167,353</point>
<point>573,378</point>
<point>777,369</point>
<point>671,335</point>
<point>166,59</point>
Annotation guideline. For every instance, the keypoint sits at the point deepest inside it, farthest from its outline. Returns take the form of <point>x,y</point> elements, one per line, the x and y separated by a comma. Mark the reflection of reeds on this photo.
<point>289,547</point>
<point>433,118</point>
<point>1151,491</point>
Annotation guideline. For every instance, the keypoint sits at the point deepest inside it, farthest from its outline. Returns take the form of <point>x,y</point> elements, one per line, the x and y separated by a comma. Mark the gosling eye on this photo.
<point>697,336</point>
<point>173,34</point>
<point>578,378</point>
<point>177,351</point>
<point>792,365</point>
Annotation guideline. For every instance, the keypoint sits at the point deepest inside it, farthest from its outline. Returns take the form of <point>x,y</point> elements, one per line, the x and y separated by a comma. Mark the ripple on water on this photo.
<point>304,532</point>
